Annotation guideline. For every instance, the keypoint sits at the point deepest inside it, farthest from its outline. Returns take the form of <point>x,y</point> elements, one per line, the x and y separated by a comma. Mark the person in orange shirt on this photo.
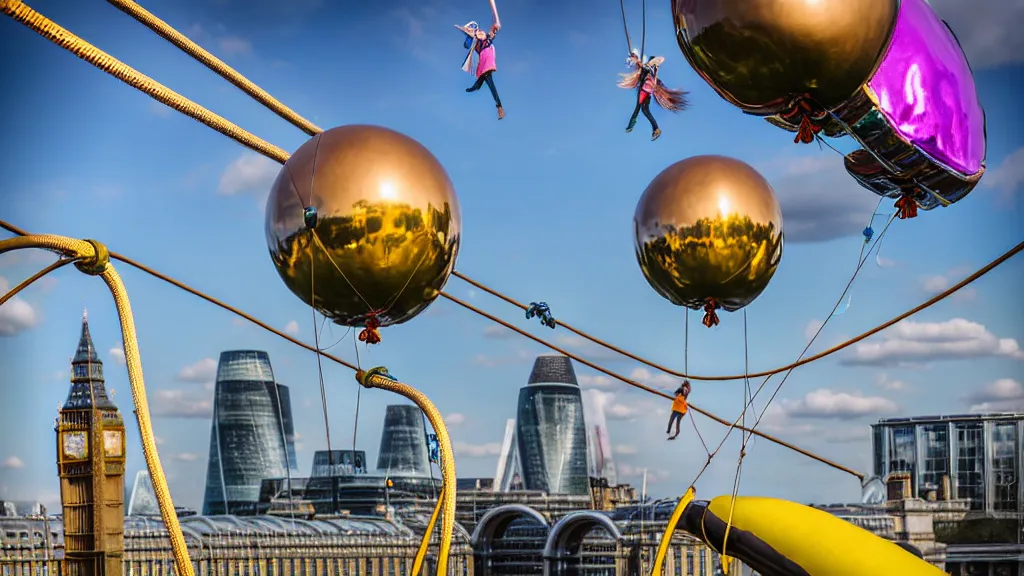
<point>679,408</point>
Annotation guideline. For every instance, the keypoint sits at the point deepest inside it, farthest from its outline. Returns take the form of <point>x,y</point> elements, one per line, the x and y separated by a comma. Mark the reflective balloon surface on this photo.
<point>708,228</point>
<point>386,225</point>
<point>761,55</point>
<point>925,89</point>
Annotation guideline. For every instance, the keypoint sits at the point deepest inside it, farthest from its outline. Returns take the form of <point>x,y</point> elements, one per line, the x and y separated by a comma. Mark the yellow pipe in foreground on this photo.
<point>666,538</point>
<point>810,539</point>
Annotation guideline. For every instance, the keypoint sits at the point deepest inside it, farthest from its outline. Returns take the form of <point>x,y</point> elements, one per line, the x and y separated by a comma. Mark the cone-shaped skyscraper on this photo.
<point>403,443</point>
<point>551,434</point>
<point>248,437</point>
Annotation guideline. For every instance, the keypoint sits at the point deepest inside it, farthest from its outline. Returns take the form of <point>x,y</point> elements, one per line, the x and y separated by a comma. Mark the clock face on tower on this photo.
<point>113,444</point>
<point>76,445</point>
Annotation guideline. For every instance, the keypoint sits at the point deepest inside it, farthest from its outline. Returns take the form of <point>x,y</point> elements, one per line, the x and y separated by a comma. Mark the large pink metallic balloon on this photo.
<point>919,118</point>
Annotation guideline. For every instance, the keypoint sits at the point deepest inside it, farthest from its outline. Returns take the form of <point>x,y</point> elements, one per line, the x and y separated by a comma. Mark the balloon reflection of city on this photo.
<point>729,259</point>
<point>383,249</point>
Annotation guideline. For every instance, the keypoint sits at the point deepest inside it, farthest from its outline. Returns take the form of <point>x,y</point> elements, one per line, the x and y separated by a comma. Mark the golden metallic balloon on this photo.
<point>363,224</point>
<point>764,55</point>
<point>708,230</point>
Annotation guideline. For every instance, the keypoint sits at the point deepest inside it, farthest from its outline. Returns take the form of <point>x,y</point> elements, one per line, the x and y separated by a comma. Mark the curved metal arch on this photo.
<point>496,520</point>
<point>204,520</point>
<point>575,525</point>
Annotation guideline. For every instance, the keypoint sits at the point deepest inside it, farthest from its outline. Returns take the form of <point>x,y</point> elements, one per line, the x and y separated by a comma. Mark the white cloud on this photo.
<point>517,357</point>
<point>988,31</point>
<point>1003,395</point>
<point>12,463</point>
<point>180,404</point>
<point>659,380</point>
<point>601,401</point>
<point>292,328</point>
<point>812,328</point>
<point>883,381</point>
<point>201,372</point>
<point>235,46</point>
<point>819,199</point>
<point>595,381</point>
<point>636,474</point>
<point>159,440</point>
<point>251,174</point>
<point>625,449</point>
<point>955,339</point>
<point>116,354</point>
<point>939,283</point>
<point>454,419</point>
<point>1008,176</point>
<point>588,349</point>
<point>467,450</point>
<point>496,332</point>
<point>825,403</point>
<point>16,315</point>
<point>187,457</point>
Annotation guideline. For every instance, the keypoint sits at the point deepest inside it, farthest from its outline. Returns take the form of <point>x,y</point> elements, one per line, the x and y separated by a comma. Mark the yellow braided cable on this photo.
<point>53,32</point>
<point>215,64</point>
<point>670,528</point>
<point>94,259</point>
<point>446,503</point>
<point>421,553</point>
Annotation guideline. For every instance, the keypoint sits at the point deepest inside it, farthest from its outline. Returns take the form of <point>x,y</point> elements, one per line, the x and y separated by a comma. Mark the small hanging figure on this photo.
<point>541,311</point>
<point>481,43</point>
<point>679,408</point>
<point>644,78</point>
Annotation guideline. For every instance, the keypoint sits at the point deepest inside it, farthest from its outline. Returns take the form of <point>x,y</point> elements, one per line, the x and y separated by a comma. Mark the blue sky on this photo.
<point>547,197</point>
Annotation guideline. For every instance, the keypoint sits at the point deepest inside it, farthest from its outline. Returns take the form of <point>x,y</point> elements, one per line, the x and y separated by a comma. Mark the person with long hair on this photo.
<point>481,43</point>
<point>644,78</point>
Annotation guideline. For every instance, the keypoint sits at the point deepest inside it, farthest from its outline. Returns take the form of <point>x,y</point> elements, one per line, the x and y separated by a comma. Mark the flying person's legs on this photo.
<point>646,108</point>
<point>494,93</point>
<point>636,111</point>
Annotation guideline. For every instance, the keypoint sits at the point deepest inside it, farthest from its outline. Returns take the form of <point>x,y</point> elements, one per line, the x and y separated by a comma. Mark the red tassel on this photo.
<point>710,317</point>
<point>807,131</point>
<point>370,333</point>
<point>907,207</point>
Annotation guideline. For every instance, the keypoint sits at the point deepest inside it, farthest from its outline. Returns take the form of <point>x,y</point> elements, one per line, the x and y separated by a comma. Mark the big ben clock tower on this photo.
<point>90,460</point>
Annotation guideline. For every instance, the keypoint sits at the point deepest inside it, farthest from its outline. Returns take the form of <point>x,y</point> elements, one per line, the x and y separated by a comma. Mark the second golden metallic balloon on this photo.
<point>708,231</point>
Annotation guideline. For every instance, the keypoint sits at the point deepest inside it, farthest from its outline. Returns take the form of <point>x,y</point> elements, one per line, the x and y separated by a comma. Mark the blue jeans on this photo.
<point>486,77</point>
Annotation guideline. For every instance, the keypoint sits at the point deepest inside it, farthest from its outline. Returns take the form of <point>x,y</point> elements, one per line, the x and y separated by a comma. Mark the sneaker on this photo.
<point>656,134</point>
<point>471,89</point>
<point>630,127</point>
<point>672,437</point>
<point>501,112</point>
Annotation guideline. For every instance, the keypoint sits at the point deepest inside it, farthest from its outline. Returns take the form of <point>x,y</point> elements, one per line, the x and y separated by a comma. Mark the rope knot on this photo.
<point>710,316</point>
<point>370,332</point>
<point>95,264</point>
<point>907,206</point>
<point>365,377</point>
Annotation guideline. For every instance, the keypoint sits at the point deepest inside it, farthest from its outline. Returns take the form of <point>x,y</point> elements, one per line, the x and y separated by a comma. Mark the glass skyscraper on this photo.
<point>252,435</point>
<point>551,434</point>
<point>978,458</point>
<point>403,442</point>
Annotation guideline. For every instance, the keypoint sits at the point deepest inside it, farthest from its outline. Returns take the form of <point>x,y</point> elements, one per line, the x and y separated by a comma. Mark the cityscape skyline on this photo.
<point>547,217</point>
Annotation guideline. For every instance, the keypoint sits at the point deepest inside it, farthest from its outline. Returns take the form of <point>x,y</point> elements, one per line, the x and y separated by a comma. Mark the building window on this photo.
<point>935,467</point>
<point>970,464</point>
<point>689,562</point>
<point>1005,465</point>
<point>878,449</point>
<point>903,450</point>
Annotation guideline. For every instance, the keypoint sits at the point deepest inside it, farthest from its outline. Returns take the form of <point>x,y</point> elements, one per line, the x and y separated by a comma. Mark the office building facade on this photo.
<point>403,442</point>
<point>248,435</point>
<point>972,457</point>
<point>551,434</point>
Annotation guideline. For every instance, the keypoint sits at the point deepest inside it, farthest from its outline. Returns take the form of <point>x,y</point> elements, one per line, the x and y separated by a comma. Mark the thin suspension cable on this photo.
<point>60,36</point>
<point>937,298</point>
<point>644,387</point>
<point>629,43</point>
<point>35,277</point>
<point>643,33</point>
<point>215,64</point>
<point>320,366</point>
<point>359,398</point>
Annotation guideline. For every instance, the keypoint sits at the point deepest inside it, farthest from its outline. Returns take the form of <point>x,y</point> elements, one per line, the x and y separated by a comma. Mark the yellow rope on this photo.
<point>89,262</point>
<point>94,260</point>
<point>215,64</point>
<point>446,502</point>
<point>53,32</point>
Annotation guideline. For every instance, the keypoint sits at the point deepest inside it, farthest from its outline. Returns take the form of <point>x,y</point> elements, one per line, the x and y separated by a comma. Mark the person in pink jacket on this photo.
<point>481,43</point>
<point>644,79</point>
